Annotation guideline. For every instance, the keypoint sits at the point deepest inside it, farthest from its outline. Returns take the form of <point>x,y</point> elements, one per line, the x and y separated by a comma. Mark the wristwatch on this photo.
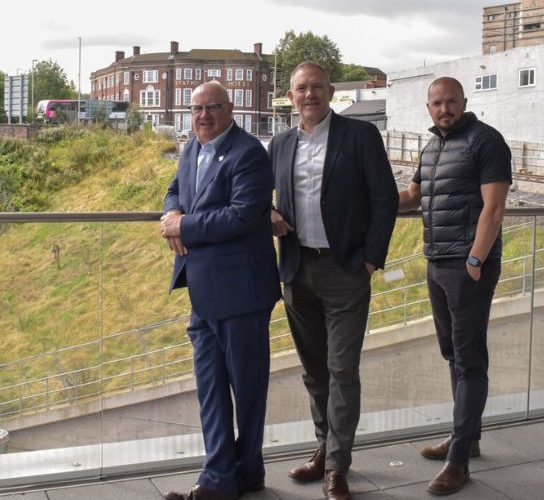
<point>474,261</point>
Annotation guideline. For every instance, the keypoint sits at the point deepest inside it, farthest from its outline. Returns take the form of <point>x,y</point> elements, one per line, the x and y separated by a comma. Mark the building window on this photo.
<point>126,95</point>
<point>187,96</point>
<point>188,73</point>
<point>491,17</point>
<point>187,122</point>
<point>247,123</point>
<point>177,122</point>
<point>229,92</point>
<point>178,73</point>
<point>238,97</point>
<point>249,96</point>
<point>178,97</point>
<point>126,77</point>
<point>214,73</point>
<point>527,77</point>
<point>270,97</point>
<point>198,74</point>
<point>270,124</point>
<point>229,74</point>
<point>151,76</point>
<point>239,74</point>
<point>150,97</point>
<point>249,75</point>
<point>239,119</point>
<point>492,49</point>
<point>487,82</point>
<point>532,26</point>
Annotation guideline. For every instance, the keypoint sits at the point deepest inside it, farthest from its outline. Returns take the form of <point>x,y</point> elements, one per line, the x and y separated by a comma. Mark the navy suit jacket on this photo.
<point>359,196</point>
<point>230,268</point>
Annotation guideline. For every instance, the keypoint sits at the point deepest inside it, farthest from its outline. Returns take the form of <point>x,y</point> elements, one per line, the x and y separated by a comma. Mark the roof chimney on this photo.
<point>135,50</point>
<point>258,48</point>
<point>119,54</point>
<point>174,48</point>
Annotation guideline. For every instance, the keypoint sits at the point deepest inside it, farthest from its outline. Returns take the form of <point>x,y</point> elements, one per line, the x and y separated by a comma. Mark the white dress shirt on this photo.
<point>308,175</point>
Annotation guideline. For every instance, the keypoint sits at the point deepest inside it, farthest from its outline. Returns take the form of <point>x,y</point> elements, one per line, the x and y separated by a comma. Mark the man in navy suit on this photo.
<point>217,220</point>
<point>335,212</point>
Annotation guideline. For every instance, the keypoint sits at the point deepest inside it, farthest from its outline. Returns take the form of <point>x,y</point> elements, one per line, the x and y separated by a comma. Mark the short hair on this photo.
<point>446,79</point>
<point>311,64</point>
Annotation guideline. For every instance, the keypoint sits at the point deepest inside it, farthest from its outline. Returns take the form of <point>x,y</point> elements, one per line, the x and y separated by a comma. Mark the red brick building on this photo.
<point>162,83</point>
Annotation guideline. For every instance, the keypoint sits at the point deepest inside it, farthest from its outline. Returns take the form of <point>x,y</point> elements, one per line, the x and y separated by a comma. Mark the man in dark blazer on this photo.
<point>336,203</point>
<point>217,220</point>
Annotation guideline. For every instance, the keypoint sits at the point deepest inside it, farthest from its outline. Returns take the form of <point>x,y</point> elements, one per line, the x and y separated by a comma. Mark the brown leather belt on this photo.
<point>319,252</point>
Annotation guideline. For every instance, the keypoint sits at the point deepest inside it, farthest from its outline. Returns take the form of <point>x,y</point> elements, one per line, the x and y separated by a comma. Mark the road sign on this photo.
<point>16,97</point>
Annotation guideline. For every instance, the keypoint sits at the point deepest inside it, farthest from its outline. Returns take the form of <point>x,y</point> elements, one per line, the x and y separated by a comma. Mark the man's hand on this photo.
<point>280,227</point>
<point>474,272</point>
<point>170,230</point>
<point>370,268</point>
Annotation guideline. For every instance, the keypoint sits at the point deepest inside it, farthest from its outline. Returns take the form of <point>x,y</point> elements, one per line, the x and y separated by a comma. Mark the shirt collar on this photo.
<point>321,126</point>
<point>216,141</point>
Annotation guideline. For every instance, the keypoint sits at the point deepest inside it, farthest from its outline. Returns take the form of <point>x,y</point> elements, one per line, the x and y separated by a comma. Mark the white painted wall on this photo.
<point>517,112</point>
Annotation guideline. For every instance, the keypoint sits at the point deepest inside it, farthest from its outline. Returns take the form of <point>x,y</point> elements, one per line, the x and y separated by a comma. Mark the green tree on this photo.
<point>134,118</point>
<point>50,82</point>
<point>353,73</point>
<point>3,116</point>
<point>292,49</point>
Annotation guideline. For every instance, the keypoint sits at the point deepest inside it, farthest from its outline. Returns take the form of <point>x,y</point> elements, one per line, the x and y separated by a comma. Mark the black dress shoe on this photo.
<point>244,487</point>
<point>199,492</point>
<point>312,470</point>
<point>172,495</point>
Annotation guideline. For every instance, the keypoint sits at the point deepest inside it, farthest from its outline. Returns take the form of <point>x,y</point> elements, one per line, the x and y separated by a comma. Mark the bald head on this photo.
<point>450,82</point>
<point>215,88</point>
<point>446,103</point>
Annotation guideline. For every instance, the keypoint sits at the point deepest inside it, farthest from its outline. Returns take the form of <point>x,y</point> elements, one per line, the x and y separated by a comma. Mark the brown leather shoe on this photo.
<point>312,470</point>
<point>449,480</point>
<point>336,486</point>
<point>440,451</point>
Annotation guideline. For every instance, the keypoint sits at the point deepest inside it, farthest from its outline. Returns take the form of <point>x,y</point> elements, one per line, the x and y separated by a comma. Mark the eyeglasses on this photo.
<point>196,109</point>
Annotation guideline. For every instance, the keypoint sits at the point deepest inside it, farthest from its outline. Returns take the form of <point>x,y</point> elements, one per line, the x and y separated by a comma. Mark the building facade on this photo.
<point>504,89</point>
<point>162,84</point>
<point>512,25</point>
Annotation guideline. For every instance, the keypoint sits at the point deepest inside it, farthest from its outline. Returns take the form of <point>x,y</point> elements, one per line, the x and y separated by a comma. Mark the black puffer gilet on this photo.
<point>451,201</point>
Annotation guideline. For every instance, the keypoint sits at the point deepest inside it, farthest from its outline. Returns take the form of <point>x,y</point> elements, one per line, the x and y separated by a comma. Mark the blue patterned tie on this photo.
<point>208,151</point>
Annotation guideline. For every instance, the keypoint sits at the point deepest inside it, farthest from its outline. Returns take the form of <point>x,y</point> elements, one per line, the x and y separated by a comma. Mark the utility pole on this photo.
<point>32,91</point>
<point>79,83</point>
<point>274,107</point>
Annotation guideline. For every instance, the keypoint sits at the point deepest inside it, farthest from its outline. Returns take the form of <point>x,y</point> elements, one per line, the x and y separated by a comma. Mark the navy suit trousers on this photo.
<point>233,353</point>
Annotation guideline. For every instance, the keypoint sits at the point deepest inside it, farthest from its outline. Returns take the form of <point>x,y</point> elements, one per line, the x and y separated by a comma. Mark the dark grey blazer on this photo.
<point>359,197</point>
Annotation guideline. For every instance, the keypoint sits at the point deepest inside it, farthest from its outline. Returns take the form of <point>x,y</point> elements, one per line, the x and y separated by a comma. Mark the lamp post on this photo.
<point>32,91</point>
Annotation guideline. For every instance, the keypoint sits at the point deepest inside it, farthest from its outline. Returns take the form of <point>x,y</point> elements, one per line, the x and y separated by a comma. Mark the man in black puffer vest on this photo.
<point>461,185</point>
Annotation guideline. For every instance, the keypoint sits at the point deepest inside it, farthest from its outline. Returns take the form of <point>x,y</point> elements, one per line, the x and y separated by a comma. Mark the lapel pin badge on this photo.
<point>221,158</point>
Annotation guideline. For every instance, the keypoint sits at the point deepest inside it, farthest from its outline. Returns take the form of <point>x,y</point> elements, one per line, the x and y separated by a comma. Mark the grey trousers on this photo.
<point>327,310</point>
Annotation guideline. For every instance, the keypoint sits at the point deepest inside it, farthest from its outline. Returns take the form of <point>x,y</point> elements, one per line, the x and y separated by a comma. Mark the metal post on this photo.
<point>79,83</point>
<point>405,305</point>
<point>33,114</point>
<point>132,373</point>
<point>524,279</point>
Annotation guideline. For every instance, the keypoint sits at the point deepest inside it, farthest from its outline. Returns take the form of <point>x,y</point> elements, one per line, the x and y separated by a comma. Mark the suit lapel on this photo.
<point>334,142</point>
